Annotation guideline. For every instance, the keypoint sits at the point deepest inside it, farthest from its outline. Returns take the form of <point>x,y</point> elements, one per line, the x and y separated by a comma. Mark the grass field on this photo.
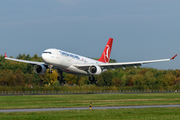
<point>79,100</point>
<point>123,114</point>
<point>54,101</point>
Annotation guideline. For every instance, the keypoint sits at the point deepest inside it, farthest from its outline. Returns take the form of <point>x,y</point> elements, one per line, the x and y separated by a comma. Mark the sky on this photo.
<point>141,29</point>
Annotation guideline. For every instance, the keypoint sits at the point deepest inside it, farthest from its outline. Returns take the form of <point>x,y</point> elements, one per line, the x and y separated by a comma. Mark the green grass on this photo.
<point>108,114</point>
<point>54,101</point>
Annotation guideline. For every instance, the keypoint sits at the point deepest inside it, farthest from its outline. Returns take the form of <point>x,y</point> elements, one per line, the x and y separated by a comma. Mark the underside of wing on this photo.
<point>120,65</point>
<point>107,65</point>
<point>83,66</point>
<point>25,61</point>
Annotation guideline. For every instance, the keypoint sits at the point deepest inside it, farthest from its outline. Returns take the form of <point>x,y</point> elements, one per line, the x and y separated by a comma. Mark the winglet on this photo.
<point>173,57</point>
<point>5,55</point>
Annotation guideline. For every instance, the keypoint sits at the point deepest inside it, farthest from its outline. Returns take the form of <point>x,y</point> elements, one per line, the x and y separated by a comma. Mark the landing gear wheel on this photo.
<point>50,71</point>
<point>93,80</point>
<point>61,78</point>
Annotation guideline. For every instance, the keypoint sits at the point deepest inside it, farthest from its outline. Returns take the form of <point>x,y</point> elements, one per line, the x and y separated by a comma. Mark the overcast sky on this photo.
<point>141,29</point>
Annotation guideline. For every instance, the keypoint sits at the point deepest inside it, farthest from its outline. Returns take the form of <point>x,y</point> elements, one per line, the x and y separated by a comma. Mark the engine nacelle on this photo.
<point>95,70</point>
<point>40,69</point>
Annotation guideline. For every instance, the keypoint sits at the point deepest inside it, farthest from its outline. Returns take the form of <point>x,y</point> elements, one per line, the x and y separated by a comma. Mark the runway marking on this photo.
<point>85,108</point>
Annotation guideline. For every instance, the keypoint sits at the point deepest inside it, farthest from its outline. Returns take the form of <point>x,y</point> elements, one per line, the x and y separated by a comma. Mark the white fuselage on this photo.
<point>65,60</point>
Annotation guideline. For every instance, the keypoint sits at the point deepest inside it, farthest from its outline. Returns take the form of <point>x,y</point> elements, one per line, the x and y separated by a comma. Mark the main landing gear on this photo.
<point>93,80</point>
<point>61,78</point>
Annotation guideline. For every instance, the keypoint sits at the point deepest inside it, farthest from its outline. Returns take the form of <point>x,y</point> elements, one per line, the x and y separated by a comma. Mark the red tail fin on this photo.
<point>5,55</point>
<point>105,57</point>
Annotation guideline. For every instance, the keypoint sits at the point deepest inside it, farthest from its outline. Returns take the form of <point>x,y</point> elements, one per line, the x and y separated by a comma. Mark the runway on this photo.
<point>84,108</point>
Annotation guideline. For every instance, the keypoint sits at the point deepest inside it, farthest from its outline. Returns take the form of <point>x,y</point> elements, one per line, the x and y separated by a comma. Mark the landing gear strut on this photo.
<point>50,69</point>
<point>61,78</point>
<point>93,80</point>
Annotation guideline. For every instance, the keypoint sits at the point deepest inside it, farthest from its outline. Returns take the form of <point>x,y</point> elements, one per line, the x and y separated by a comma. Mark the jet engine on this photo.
<point>40,69</point>
<point>95,70</point>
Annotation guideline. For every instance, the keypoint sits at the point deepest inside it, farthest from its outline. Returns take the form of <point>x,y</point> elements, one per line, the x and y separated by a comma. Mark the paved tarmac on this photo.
<point>85,108</point>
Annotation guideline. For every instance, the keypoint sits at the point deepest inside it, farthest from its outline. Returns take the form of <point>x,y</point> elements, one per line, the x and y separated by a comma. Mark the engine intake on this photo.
<point>40,69</point>
<point>95,70</point>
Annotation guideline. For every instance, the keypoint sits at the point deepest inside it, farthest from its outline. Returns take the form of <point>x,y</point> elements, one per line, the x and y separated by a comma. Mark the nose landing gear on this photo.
<point>50,68</point>
<point>50,71</point>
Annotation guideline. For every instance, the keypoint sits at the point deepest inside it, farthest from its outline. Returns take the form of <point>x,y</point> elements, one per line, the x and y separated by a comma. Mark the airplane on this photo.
<point>75,64</point>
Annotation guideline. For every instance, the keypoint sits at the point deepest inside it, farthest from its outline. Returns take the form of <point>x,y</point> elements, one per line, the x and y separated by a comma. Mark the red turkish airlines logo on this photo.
<point>107,53</point>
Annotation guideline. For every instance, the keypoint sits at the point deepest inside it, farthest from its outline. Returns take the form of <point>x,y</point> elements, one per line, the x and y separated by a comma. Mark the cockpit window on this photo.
<point>47,52</point>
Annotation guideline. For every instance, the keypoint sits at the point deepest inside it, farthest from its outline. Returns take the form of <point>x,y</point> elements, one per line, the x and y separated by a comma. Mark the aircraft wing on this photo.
<point>118,65</point>
<point>24,61</point>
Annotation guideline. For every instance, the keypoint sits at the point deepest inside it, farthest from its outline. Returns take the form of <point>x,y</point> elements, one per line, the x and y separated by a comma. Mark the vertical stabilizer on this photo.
<point>5,55</point>
<point>105,57</point>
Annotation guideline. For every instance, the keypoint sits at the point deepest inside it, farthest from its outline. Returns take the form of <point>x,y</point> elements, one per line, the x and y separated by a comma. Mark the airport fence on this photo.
<point>85,92</point>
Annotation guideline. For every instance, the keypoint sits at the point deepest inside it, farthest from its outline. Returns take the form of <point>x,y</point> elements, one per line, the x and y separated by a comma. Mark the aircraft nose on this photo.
<point>44,57</point>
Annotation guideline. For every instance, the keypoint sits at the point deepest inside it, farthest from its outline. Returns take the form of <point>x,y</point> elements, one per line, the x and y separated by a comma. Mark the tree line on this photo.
<point>21,74</point>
